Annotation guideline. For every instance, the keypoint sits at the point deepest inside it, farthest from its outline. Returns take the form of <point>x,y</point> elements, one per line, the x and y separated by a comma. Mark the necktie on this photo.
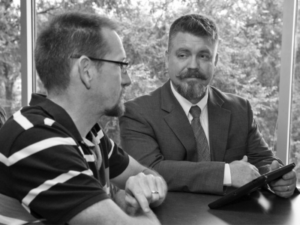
<point>202,144</point>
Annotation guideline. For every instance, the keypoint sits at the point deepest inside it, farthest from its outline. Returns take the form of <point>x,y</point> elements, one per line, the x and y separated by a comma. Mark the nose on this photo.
<point>193,63</point>
<point>126,81</point>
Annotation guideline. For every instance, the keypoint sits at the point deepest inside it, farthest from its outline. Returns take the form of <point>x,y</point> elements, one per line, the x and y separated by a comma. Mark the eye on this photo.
<point>181,55</point>
<point>204,56</point>
<point>124,65</point>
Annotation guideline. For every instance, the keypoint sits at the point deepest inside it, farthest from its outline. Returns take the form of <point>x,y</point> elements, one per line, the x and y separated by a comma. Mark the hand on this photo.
<point>285,186</point>
<point>242,172</point>
<point>143,190</point>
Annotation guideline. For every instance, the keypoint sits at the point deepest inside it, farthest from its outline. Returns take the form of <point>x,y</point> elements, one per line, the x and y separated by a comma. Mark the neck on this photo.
<point>78,110</point>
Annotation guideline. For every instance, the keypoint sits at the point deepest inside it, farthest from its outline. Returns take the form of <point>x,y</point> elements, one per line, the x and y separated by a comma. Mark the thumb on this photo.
<point>275,165</point>
<point>130,200</point>
<point>245,158</point>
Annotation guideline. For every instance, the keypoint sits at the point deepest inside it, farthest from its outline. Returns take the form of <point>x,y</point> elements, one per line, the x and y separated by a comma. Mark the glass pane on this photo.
<point>10,60</point>
<point>295,116</point>
<point>249,62</point>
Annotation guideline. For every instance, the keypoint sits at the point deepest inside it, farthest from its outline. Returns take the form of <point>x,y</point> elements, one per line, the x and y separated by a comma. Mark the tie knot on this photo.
<point>195,111</point>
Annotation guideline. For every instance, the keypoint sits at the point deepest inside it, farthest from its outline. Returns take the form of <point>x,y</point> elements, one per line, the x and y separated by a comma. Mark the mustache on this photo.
<point>192,74</point>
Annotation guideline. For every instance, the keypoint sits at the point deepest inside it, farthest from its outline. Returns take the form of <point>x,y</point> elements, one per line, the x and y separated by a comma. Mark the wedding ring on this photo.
<point>288,188</point>
<point>154,192</point>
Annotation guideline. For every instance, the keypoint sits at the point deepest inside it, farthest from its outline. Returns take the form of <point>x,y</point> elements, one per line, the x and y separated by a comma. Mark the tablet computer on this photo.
<point>251,186</point>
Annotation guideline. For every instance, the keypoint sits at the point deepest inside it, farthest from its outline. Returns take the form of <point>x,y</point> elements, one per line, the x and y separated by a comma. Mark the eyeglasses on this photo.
<point>123,65</point>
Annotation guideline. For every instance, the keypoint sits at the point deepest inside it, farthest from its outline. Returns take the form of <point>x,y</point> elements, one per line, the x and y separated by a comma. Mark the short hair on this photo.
<point>196,24</point>
<point>67,34</point>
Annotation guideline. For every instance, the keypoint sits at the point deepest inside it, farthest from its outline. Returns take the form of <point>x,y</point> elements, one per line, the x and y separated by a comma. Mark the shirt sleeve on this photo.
<point>118,159</point>
<point>53,180</point>
<point>227,176</point>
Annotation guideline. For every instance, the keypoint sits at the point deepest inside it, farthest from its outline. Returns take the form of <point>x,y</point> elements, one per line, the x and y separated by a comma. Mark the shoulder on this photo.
<point>30,126</point>
<point>24,120</point>
<point>228,100</point>
<point>146,102</point>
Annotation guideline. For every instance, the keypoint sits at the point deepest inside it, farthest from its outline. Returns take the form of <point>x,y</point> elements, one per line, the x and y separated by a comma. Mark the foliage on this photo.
<point>249,52</point>
<point>9,55</point>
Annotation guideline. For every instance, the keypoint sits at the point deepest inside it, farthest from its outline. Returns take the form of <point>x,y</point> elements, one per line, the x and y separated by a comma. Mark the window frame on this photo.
<point>288,52</point>
<point>28,72</point>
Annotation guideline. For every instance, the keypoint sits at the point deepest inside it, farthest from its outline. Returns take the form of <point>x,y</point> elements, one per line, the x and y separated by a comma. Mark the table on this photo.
<point>260,207</point>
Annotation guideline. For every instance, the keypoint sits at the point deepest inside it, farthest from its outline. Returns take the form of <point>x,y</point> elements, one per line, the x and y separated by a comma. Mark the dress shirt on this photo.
<point>202,104</point>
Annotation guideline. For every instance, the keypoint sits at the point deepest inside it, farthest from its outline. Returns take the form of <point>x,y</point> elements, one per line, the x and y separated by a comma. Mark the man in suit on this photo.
<point>197,137</point>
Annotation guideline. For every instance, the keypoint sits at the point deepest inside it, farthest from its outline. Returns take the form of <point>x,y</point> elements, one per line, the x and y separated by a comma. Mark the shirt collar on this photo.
<point>186,104</point>
<point>57,113</point>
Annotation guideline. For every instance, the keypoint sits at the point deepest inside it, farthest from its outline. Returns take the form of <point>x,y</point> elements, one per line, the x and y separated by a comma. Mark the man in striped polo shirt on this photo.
<point>56,164</point>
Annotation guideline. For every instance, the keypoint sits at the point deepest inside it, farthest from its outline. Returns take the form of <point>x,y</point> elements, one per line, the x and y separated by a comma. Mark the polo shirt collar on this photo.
<point>56,112</point>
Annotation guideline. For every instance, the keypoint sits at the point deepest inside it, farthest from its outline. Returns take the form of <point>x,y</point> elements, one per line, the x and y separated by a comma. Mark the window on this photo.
<point>10,58</point>
<point>250,53</point>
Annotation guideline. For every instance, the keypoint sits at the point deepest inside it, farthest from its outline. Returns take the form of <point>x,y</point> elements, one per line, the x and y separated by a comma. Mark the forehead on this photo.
<point>114,43</point>
<point>188,41</point>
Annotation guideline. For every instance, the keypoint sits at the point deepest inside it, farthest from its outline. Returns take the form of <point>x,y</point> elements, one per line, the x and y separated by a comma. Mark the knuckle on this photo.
<point>141,174</point>
<point>130,179</point>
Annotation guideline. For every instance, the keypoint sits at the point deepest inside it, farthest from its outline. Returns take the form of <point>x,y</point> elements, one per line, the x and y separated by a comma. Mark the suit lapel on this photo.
<point>219,121</point>
<point>178,121</point>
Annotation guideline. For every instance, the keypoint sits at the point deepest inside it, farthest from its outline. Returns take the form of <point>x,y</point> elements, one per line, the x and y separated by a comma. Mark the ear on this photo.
<point>84,72</point>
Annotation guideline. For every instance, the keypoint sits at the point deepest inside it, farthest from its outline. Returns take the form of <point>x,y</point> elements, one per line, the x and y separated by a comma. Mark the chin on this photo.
<point>116,111</point>
<point>191,90</point>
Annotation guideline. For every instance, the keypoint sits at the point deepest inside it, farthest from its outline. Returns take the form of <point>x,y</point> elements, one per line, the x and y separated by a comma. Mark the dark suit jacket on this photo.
<point>156,132</point>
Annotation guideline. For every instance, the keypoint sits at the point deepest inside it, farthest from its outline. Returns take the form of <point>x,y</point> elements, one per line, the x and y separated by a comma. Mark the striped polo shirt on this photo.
<point>49,173</point>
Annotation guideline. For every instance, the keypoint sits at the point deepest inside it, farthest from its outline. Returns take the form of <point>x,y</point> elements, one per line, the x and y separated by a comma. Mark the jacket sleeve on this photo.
<point>258,151</point>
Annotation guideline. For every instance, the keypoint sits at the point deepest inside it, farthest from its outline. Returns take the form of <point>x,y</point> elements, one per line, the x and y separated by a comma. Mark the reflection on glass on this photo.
<point>295,115</point>
<point>10,62</point>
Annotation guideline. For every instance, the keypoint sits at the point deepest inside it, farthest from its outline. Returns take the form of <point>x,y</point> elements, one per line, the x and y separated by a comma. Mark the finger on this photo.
<point>245,158</point>
<point>143,202</point>
<point>256,170</point>
<point>287,179</point>
<point>137,187</point>
<point>131,201</point>
<point>274,165</point>
<point>153,186</point>
<point>131,210</point>
<point>284,191</point>
<point>281,182</point>
<point>286,188</point>
<point>162,187</point>
<point>141,185</point>
<point>284,194</point>
<point>289,176</point>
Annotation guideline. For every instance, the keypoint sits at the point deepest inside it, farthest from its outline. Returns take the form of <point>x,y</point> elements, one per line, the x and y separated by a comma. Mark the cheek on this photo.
<point>175,68</point>
<point>115,87</point>
<point>207,68</point>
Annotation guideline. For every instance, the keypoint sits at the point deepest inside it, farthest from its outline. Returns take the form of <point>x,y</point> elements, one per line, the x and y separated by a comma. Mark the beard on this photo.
<point>190,89</point>
<point>118,109</point>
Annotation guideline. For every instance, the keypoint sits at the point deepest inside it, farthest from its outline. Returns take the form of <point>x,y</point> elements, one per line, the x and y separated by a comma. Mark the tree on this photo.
<point>10,62</point>
<point>249,52</point>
